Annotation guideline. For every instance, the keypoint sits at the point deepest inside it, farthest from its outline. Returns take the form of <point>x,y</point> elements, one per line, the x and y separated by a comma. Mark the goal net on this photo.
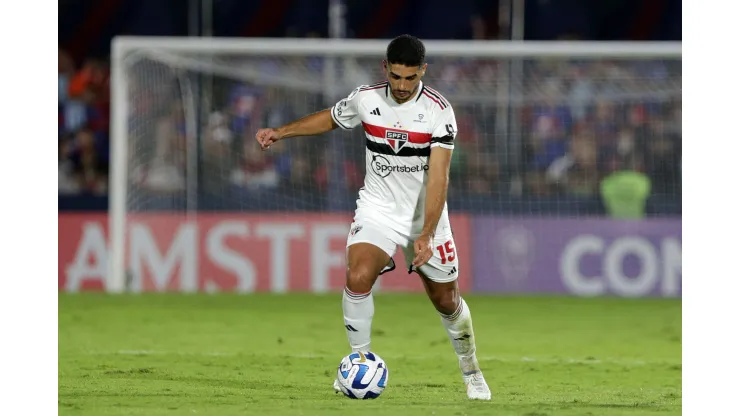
<point>545,129</point>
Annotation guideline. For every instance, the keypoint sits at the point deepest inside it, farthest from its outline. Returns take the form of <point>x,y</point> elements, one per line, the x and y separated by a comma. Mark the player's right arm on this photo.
<point>310,125</point>
<point>344,114</point>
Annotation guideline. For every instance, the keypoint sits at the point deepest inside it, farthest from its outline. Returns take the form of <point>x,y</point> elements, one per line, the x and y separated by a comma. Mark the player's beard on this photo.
<point>406,97</point>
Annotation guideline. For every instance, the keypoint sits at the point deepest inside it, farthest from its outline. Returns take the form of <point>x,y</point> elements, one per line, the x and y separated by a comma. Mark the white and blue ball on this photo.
<point>362,375</point>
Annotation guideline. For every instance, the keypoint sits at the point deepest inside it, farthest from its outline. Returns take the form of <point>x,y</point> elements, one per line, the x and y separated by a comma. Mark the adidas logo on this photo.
<point>375,112</point>
<point>453,271</point>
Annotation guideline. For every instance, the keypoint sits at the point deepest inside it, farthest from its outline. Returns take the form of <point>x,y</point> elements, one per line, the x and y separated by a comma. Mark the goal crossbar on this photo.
<point>375,47</point>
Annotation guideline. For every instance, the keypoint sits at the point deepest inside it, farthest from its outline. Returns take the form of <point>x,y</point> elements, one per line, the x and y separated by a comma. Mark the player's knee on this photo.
<point>360,279</point>
<point>446,302</point>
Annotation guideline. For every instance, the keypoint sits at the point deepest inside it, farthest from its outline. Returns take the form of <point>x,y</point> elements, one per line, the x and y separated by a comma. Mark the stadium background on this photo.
<point>517,217</point>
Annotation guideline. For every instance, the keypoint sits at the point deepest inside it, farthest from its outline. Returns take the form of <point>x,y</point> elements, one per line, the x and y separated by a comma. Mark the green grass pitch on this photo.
<point>225,355</point>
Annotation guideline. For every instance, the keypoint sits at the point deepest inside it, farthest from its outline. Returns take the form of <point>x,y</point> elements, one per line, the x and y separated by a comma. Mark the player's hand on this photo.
<point>422,249</point>
<point>266,137</point>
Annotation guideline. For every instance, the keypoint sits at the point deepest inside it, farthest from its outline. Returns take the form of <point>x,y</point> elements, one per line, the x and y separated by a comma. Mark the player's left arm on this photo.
<point>437,183</point>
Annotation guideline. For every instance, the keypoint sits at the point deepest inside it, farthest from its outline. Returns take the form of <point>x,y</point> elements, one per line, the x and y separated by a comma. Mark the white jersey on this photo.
<point>399,138</point>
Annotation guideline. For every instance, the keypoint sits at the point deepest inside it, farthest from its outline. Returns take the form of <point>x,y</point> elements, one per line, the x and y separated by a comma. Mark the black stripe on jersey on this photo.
<point>437,96</point>
<point>385,149</point>
<point>444,140</point>
<point>337,121</point>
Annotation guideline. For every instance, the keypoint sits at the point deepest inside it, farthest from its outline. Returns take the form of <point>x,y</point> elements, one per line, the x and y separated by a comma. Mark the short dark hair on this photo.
<point>406,50</point>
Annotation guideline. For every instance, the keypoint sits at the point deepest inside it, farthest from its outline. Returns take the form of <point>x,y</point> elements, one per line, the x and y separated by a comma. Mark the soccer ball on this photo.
<point>362,375</point>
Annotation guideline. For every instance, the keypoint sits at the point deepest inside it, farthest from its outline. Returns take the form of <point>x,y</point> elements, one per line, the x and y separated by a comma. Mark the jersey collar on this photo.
<point>409,103</point>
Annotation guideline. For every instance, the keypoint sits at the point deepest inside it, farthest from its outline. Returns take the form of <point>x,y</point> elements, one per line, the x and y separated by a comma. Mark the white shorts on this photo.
<point>438,269</point>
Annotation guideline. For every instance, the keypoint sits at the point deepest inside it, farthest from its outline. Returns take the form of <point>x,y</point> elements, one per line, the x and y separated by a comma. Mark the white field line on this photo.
<point>574,361</point>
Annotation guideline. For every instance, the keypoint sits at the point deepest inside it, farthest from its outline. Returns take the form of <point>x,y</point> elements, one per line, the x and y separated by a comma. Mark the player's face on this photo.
<point>403,80</point>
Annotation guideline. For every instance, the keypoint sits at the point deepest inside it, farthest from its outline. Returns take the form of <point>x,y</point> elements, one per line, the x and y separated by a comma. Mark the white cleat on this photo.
<point>336,386</point>
<point>477,387</point>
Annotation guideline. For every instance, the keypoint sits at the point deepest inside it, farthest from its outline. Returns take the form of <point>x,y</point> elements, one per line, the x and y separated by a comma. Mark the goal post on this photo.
<point>183,77</point>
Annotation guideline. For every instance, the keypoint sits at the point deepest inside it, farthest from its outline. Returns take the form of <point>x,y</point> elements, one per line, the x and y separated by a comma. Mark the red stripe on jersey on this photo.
<point>433,99</point>
<point>435,92</point>
<point>413,136</point>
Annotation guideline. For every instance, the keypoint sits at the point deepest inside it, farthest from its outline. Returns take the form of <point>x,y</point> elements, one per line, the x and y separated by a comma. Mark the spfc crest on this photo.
<point>396,139</point>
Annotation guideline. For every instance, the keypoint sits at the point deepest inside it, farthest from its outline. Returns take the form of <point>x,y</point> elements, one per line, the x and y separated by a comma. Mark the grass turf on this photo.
<point>177,354</point>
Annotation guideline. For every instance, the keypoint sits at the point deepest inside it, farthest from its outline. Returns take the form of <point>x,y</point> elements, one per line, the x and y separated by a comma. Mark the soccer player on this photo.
<point>410,134</point>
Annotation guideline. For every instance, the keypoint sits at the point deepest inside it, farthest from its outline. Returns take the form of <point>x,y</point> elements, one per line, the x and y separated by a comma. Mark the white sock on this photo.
<point>459,328</point>
<point>358,309</point>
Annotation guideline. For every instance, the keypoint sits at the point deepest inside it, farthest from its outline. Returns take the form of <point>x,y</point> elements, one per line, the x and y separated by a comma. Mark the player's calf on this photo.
<point>459,326</point>
<point>458,323</point>
<point>358,308</point>
<point>365,262</point>
<point>456,319</point>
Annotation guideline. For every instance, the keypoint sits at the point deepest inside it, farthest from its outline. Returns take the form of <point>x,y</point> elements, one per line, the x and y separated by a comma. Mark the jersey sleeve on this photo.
<point>346,112</point>
<point>445,129</point>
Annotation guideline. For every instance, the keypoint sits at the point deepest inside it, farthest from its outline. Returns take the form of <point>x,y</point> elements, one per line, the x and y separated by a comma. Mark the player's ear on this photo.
<point>423,69</point>
<point>385,65</point>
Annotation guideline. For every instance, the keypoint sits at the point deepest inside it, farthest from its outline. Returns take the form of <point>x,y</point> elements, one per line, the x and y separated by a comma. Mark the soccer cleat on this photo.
<point>477,387</point>
<point>336,386</point>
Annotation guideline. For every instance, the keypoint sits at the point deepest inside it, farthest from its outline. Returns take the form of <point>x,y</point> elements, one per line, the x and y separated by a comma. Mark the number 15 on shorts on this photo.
<point>446,252</point>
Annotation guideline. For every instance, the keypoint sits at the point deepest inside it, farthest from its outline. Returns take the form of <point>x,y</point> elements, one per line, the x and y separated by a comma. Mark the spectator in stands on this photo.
<point>89,93</point>
<point>66,70</point>
<point>475,161</point>
<point>91,79</point>
<point>547,140</point>
<point>582,91</point>
<point>164,171</point>
<point>468,141</point>
<point>673,119</point>
<point>546,124</point>
<point>217,161</point>
<point>244,108</point>
<point>300,176</point>
<point>450,73</point>
<point>482,172</point>
<point>257,168</point>
<point>625,146</point>
<point>550,124</point>
<point>576,172</point>
<point>89,168</point>
<point>625,191</point>
<point>350,179</point>
<point>276,108</point>
<point>663,158</point>
<point>218,128</point>
<point>68,183</point>
<point>605,122</point>
<point>637,120</point>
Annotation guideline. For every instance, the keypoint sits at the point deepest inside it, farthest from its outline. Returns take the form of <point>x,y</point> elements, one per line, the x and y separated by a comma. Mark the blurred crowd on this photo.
<point>562,130</point>
<point>84,119</point>
<point>611,117</point>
